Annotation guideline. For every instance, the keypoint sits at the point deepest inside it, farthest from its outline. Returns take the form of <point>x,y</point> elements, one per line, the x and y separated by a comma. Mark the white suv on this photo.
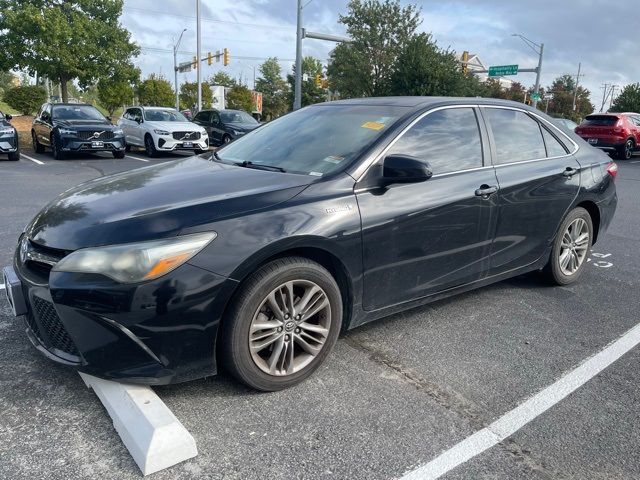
<point>159,129</point>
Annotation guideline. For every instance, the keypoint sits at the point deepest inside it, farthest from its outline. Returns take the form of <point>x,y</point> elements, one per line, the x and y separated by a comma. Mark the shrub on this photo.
<point>25,99</point>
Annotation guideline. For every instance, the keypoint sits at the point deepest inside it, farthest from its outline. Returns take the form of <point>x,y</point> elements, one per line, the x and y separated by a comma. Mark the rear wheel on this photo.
<point>150,146</point>
<point>37,146</point>
<point>626,151</point>
<point>282,325</point>
<point>570,248</point>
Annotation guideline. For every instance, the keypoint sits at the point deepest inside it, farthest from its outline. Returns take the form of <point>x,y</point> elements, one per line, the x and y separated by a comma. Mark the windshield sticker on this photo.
<point>373,125</point>
<point>335,159</point>
<point>315,174</point>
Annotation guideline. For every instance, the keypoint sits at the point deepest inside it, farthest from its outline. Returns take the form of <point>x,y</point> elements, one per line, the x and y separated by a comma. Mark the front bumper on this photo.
<point>168,143</point>
<point>71,144</point>
<point>158,332</point>
<point>8,144</point>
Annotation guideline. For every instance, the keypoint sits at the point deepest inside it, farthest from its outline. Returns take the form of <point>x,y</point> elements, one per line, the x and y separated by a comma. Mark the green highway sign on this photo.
<point>535,96</point>
<point>500,70</point>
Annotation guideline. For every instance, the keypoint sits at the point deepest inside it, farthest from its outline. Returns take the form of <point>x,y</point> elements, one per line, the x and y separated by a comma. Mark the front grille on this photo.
<point>49,329</point>
<point>39,258</point>
<point>90,135</point>
<point>186,136</point>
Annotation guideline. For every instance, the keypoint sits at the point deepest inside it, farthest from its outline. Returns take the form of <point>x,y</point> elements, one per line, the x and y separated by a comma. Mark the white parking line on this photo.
<point>32,159</point>
<point>517,418</point>
<point>635,161</point>
<point>137,158</point>
<point>1,286</point>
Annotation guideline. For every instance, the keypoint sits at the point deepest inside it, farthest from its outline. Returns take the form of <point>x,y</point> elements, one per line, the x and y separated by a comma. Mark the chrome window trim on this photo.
<point>365,166</point>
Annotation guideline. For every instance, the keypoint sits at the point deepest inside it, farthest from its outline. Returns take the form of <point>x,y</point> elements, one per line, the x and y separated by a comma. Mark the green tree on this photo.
<point>156,91</point>
<point>64,40</point>
<point>189,94</point>
<point>561,104</point>
<point>274,89</point>
<point>117,91</point>
<point>239,98</point>
<point>628,100</point>
<point>515,92</point>
<point>223,79</point>
<point>25,99</point>
<point>423,68</point>
<point>380,30</point>
<point>492,88</point>
<point>311,93</point>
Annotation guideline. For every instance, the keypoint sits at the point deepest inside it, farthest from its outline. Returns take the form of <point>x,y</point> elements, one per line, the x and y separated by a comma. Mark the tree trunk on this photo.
<point>64,90</point>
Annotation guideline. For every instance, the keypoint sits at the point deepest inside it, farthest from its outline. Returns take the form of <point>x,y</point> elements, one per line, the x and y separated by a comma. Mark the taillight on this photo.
<point>618,126</point>
<point>612,169</point>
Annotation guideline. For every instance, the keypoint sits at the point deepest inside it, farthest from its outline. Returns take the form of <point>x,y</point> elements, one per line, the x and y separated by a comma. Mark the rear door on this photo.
<point>538,181</point>
<point>217,129</point>
<point>422,238</point>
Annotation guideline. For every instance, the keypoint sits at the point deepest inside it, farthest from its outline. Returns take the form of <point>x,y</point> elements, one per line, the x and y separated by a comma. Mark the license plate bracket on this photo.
<point>187,144</point>
<point>593,141</point>
<point>13,291</point>
<point>97,144</point>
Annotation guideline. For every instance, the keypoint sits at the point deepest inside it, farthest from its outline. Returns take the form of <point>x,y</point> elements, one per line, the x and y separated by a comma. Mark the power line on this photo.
<point>205,19</point>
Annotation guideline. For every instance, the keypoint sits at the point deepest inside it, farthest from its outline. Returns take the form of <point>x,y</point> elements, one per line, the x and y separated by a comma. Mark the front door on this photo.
<point>422,238</point>
<point>538,179</point>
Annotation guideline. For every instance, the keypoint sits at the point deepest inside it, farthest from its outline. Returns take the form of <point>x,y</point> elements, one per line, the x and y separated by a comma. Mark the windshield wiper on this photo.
<point>259,166</point>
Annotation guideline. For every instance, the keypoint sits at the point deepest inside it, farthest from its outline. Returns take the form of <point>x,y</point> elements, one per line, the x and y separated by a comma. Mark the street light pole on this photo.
<point>297,91</point>
<point>198,54</point>
<point>175,67</point>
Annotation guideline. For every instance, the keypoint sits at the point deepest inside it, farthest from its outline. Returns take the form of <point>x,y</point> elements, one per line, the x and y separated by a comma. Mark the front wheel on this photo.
<point>282,324</point>
<point>570,248</point>
<point>150,146</point>
<point>226,139</point>
<point>14,156</point>
<point>118,154</point>
<point>56,148</point>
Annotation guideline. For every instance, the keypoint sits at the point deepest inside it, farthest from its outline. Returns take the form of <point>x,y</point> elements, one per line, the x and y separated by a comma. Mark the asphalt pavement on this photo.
<point>392,396</point>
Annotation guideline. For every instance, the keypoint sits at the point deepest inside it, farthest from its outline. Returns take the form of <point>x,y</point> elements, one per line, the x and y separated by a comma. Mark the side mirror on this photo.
<point>138,121</point>
<point>404,169</point>
<point>8,116</point>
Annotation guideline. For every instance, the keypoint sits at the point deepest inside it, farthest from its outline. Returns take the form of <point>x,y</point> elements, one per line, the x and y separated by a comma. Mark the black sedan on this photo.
<point>72,128</point>
<point>224,126</point>
<point>259,255</point>
<point>8,138</point>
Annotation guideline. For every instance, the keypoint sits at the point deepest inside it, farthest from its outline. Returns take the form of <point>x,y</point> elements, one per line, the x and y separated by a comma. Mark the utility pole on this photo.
<point>575,93</point>
<point>198,55</point>
<point>175,67</point>
<point>613,93</point>
<point>605,89</point>
<point>539,49</point>
<point>297,92</point>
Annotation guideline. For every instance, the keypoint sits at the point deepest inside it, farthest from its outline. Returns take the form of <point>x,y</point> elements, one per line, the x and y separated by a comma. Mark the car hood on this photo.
<point>85,124</point>
<point>176,126</point>
<point>243,127</point>
<point>158,201</point>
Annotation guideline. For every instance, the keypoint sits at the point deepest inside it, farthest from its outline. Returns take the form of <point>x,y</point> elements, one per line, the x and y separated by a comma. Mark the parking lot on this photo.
<point>392,396</point>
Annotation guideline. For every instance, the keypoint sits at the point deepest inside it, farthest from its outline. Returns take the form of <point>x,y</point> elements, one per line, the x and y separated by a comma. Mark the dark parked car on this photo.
<point>618,133</point>
<point>224,126</point>
<point>73,127</point>
<point>8,138</point>
<point>335,215</point>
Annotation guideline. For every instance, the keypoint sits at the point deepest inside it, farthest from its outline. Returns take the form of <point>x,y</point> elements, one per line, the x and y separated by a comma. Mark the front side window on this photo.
<point>517,136</point>
<point>161,115</point>
<point>315,140</point>
<point>448,140</point>
<point>76,112</point>
<point>203,117</point>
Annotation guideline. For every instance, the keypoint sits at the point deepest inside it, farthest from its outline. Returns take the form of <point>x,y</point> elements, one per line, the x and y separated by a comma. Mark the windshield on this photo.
<point>315,140</point>
<point>160,115</point>
<point>237,116</point>
<point>76,112</point>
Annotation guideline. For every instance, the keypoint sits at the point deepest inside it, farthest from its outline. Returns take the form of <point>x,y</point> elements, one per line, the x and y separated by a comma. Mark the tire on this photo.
<point>37,146</point>
<point>198,151</point>
<point>14,156</point>
<point>127,148</point>
<point>251,307</point>
<point>58,154</point>
<point>566,268</point>
<point>150,146</point>
<point>626,151</point>
<point>118,154</point>
<point>226,139</point>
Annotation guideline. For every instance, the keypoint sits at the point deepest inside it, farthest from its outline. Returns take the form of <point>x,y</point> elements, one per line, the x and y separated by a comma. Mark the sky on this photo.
<point>600,34</point>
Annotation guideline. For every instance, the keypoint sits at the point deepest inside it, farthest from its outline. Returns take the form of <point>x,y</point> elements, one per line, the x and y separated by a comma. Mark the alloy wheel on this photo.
<point>290,327</point>
<point>573,250</point>
<point>628,149</point>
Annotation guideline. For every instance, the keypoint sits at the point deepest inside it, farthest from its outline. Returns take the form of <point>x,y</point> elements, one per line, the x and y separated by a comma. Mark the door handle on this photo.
<point>569,172</point>
<point>485,191</point>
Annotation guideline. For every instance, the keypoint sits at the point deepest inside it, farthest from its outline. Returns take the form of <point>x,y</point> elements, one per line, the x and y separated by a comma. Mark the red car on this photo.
<point>614,132</point>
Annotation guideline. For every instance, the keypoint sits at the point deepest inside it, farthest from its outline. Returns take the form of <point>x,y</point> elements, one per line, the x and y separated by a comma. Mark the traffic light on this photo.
<point>225,57</point>
<point>318,80</point>
<point>209,58</point>
<point>465,62</point>
<point>195,62</point>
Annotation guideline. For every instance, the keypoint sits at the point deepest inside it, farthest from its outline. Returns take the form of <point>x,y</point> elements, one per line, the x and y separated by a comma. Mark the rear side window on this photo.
<point>554,147</point>
<point>600,120</point>
<point>517,136</point>
<point>448,140</point>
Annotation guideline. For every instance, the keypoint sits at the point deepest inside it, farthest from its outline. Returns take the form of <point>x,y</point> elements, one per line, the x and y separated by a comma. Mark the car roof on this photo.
<point>59,104</point>
<point>423,102</point>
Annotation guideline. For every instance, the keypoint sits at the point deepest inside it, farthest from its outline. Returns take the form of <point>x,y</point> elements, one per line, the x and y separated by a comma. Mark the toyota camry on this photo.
<point>257,256</point>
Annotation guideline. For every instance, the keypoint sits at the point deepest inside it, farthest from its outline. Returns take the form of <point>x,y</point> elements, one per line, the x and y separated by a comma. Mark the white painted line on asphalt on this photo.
<point>153,435</point>
<point>137,158</point>
<point>635,161</point>
<point>517,418</point>
<point>39,162</point>
<point>1,286</point>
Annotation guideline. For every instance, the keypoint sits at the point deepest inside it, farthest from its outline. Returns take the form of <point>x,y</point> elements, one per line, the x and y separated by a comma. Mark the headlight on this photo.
<point>136,262</point>
<point>118,132</point>
<point>6,131</point>
<point>161,132</point>
<point>67,131</point>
